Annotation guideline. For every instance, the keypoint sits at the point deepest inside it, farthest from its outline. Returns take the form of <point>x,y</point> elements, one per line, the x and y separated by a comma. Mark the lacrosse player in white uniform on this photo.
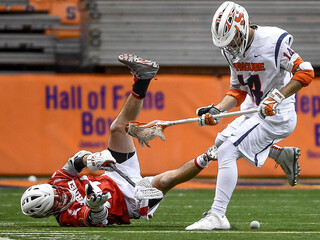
<point>76,200</point>
<point>265,71</point>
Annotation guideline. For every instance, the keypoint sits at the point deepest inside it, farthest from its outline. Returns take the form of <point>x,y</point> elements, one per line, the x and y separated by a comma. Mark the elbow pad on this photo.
<point>304,66</point>
<point>75,163</point>
<point>304,73</point>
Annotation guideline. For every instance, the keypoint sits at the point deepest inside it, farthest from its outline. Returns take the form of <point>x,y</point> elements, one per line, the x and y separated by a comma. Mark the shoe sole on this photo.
<point>129,59</point>
<point>296,166</point>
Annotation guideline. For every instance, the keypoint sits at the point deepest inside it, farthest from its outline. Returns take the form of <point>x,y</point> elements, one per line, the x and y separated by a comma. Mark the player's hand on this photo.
<point>203,110</point>
<point>269,105</point>
<point>100,160</point>
<point>206,115</point>
<point>95,201</point>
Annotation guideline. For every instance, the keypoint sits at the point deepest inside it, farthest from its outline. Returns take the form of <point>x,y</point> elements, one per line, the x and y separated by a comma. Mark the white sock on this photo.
<point>275,151</point>
<point>227,177</point>
<point>201,161</point>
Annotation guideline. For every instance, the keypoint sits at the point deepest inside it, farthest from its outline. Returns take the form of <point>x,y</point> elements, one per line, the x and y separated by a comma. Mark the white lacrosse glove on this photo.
<point>80,154</point>
<point>142,193</point>
<point>269,105</point>
<point>206,115</point>
<point>96,203</point>
<point>100,160</point>
<point>144,190</point>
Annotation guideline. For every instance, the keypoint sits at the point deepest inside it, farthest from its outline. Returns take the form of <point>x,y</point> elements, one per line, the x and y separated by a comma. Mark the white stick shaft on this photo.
<point>230,114</point>
<point>221,115</point>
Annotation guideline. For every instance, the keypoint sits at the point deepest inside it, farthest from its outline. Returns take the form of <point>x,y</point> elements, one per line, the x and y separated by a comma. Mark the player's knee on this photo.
<point>227,153</point>
<point>117,128</point>
<point>163,183</point>
<point>218,142</point>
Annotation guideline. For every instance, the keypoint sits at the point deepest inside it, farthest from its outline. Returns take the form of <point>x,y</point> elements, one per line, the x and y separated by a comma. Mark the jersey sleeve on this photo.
<point>61,178</point>
<point>237,94</point>
<point>76,216</point>
<point>71,166</point>
<point>293,63</point>
<point>288,57</point>
<point>237,90</point>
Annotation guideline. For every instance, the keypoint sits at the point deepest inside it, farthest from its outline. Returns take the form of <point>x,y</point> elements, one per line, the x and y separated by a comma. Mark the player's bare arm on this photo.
<point>227,103</point>
<point>291,88</point>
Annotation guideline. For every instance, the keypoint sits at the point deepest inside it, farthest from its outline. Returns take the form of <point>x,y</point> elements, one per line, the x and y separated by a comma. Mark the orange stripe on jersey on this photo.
<point>296,64</point>
<point>304,76</point>
<point>238,94</point>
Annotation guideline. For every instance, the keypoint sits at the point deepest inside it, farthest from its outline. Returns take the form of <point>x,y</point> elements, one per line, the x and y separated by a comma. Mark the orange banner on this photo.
<point>45,119</point>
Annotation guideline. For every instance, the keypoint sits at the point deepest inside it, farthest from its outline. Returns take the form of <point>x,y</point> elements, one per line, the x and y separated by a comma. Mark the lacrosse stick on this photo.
<point>148,131</point>
<point>124,176</point>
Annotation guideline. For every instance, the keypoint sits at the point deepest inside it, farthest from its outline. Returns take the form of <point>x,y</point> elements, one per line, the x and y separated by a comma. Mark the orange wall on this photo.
<point>45,119</point>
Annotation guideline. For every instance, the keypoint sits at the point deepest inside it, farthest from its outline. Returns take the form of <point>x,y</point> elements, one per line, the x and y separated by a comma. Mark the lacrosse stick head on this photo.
<point>146,132</point>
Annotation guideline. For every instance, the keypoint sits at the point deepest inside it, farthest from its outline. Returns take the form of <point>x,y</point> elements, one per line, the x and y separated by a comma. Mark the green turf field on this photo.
<point>283,214</point>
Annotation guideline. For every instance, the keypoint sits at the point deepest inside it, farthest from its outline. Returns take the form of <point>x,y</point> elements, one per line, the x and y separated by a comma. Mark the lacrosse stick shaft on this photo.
<point>220,115</point>
<point>124,176</point>
<point>230,114</point>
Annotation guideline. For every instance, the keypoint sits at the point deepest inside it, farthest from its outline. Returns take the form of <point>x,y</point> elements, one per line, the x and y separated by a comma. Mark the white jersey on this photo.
<point>267,65</point>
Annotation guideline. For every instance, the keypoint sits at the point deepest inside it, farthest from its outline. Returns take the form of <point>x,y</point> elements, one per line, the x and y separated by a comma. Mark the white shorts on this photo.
<point>131,168</point>
<point>136,209</point>
<point>254,136</point>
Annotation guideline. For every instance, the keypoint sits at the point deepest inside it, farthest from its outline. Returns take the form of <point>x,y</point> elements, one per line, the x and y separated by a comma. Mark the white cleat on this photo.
<point>210,221</point>
<point>288,160</point>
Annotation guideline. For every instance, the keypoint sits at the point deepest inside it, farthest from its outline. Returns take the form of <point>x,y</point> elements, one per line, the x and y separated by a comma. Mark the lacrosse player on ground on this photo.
<point>266,70</point>
<point>109,199</point>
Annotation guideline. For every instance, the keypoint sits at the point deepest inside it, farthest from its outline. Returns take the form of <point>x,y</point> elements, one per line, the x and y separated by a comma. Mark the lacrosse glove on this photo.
<point>206,115</point>
<point>269,105</point>
<point>100,160</point>
<point>96,203</point>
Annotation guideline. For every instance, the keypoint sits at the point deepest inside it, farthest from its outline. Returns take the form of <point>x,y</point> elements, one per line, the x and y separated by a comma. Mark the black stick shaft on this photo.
<point>122,174</point>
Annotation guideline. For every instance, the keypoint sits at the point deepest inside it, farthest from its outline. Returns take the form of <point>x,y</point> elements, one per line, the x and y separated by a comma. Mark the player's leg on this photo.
<point>226,182</point>
<point>120,143</point>
<point>143,71</point>
<point>167,180</point>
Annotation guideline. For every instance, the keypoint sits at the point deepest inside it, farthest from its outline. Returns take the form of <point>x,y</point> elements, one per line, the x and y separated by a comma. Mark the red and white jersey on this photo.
<point>122,204</point>
<point>266,65</point>
<point>77,213</point>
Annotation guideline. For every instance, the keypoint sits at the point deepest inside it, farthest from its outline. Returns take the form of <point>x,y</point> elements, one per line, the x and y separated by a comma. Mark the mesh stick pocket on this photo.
<point>146,132</point>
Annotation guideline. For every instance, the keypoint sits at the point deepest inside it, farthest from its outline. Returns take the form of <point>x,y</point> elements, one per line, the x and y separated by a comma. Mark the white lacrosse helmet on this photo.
<point>43,200</point>
<point>230,28</point>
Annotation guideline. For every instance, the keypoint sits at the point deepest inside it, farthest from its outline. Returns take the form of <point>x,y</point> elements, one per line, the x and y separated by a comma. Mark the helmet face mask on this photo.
<point>230,28</point>
<point>234,46</point>
<point>44,200</point>
<point>63,198</point>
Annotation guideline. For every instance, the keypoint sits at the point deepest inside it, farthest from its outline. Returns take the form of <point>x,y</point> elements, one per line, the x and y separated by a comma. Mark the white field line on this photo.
<point>158,231</point>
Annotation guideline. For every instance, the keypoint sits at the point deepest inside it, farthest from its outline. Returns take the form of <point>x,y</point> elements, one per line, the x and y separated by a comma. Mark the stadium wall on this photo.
<point>46,118</point>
